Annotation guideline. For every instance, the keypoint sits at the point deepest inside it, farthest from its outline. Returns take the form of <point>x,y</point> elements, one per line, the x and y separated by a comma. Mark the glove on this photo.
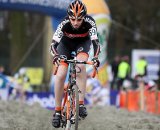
<point>56,60</point>
<point>96,61</point>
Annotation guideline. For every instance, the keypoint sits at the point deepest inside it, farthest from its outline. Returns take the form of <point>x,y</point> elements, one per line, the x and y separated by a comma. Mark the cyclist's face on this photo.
<point>76,23</point>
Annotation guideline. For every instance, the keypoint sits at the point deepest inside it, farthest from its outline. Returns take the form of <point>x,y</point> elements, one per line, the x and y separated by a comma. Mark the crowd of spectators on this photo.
<point>14,87</point>
<point>121,74</point>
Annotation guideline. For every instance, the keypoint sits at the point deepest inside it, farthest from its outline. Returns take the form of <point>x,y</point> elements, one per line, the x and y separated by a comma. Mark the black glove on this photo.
<point>56,59</point>
<point>96,61</point>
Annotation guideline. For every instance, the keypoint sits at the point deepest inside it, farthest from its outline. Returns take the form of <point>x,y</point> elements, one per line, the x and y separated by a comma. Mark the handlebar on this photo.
<point>78,62</point>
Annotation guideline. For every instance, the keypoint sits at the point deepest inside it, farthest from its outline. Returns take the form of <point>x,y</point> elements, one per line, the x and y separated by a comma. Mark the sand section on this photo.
<point>19,116</point>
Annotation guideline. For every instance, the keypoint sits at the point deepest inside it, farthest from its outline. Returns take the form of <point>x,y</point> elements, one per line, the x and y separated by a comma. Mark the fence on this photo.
<point>140,100</point>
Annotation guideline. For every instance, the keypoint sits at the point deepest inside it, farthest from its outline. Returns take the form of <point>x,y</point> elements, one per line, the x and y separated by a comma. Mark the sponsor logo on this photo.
<point>76,35</point>
<point>58,34</point>
<point>90,21</point>
<point>45,101</point>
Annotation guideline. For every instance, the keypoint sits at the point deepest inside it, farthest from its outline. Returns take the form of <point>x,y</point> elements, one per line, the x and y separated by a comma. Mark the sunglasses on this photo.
<point>73,19</point>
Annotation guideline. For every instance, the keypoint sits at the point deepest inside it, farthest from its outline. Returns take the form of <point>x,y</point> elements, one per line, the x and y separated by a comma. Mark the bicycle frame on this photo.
<point>70,105</point>
<point>70,102</point>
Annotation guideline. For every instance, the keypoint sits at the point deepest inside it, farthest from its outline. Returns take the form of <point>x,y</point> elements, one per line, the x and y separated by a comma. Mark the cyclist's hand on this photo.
<point>56,60</point>
<point>96,61</point>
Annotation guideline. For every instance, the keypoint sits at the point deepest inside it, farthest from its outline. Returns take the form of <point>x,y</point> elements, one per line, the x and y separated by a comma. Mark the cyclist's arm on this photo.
<point>95,41</point>
<point>54,47</point>
<point>96,47</point>
<point>56,38</point>
<point>94,35</point>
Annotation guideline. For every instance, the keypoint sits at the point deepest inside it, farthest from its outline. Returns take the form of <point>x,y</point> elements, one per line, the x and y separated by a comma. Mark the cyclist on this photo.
<point>75,33</point>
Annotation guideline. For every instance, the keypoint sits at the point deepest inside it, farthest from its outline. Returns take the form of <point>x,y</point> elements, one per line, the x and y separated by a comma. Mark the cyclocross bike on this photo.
<point>70,104</point>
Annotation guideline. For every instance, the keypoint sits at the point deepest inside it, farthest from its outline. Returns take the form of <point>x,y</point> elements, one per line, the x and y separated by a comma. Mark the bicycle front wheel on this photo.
<point>76,104</point>
<point>72,122</point>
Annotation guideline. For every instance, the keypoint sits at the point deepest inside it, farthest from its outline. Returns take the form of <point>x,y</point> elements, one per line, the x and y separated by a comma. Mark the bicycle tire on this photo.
<point>76,106</point>
<point>75,102</point>
<point>68,125</point>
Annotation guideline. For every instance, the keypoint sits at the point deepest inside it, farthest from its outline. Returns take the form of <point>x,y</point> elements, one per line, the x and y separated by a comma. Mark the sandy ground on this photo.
<point>19,116</point>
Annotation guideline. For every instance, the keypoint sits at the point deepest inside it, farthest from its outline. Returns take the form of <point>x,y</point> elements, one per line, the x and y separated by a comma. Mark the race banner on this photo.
<point>56,8</point>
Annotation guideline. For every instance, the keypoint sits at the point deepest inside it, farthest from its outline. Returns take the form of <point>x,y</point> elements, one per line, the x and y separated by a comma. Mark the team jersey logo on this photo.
<point>76,35</point>
<point>59,34</point>
<point>90,21</point>
<point>93,30</point>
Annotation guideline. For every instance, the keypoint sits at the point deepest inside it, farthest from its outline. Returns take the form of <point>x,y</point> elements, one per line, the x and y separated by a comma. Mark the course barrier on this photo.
<point>135,100</point>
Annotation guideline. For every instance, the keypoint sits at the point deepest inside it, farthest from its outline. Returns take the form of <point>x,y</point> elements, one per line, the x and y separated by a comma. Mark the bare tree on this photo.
<point>136,24</point>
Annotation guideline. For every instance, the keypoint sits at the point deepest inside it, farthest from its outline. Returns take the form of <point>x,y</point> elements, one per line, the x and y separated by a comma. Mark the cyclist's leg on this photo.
<point>82,76</point>
<point>81,82</point>
<point>61,74</point>
<point>82,55</point>
<point>58,89</point>
<point>59,85</point>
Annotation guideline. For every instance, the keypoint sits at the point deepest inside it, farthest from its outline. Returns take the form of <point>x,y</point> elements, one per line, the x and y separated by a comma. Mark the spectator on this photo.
<point>3,78</point>
<point>123,71</point>
<point>4,84</point>
<point>114,66</point>
<point>21,86</point>
<point>141,67</point>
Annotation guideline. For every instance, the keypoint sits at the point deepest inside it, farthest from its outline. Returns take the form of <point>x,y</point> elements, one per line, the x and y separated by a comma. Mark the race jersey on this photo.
<point>87,30</point>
